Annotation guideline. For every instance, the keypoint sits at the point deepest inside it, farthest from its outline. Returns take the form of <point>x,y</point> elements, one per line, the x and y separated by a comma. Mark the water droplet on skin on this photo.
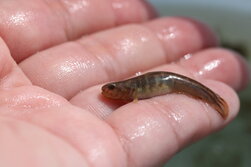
<point>176,116</point>
<point>168,33</point>
<point>117,5</point>
<point>209,66</point>
<point>19,18</point>
<point>138,73</point>
<point>76,5</point>
<point>146,127</point>
<point>187,56</point>
<point>125,46</point>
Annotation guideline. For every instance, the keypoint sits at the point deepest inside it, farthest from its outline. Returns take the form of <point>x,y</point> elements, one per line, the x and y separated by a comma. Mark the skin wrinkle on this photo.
<point>166,110</point>
<point>123,140</point>
<point>74,65</point>
<point>4,75</point>
<point>65,17</point>
<point>146,33</point>
<point>67,22</point>
<point>75,5</point>
<point>107,67</point>
<point>110,58</point>
<point>6,68</point>
<point>117,6</point>
<point>70,142</point>
<point>195,135</point>
<point>160,43</point>
<point>68,29</point>
<point>113,57</point>
<point>161,108</point>
<point>115,15</point>
<point>117,138</point>
<point>206,108</point>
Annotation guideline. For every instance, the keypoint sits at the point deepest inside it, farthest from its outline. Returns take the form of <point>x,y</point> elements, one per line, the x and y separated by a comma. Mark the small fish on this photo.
<point>159,83</point>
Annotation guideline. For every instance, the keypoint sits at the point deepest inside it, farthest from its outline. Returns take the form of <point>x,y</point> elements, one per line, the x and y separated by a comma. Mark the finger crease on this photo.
<point>64,16</point>
<point>123,140</point>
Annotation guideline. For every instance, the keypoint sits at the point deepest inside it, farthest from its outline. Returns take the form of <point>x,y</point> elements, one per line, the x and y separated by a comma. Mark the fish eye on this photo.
<point>111,86</point>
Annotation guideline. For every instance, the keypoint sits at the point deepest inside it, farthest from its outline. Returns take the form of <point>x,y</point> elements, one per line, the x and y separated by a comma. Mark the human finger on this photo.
<point>31,26</point>
<point>115,54</point>
<point>234,70</point>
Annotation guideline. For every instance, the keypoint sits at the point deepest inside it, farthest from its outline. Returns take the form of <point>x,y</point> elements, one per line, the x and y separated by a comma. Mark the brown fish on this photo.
<point>159,83</point>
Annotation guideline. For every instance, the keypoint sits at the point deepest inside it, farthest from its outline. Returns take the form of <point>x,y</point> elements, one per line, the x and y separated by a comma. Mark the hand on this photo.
<point>68,49</point>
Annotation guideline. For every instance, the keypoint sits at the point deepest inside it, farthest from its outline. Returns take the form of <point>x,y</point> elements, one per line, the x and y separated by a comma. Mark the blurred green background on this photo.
<point>231,19</point>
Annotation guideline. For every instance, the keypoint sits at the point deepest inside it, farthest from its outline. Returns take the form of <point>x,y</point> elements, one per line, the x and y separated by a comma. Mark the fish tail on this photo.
<point>197,90</point>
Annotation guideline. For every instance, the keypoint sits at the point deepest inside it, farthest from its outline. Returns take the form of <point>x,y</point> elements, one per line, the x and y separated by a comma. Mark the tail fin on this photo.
<point>197,90</point>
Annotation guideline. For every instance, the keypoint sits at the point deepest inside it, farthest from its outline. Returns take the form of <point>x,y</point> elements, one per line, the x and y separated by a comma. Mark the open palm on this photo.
<point>51,110</point>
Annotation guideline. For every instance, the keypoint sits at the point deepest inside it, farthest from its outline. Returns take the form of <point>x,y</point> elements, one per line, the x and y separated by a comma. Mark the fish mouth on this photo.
<point>106,93</point>
<point>103,88</point>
